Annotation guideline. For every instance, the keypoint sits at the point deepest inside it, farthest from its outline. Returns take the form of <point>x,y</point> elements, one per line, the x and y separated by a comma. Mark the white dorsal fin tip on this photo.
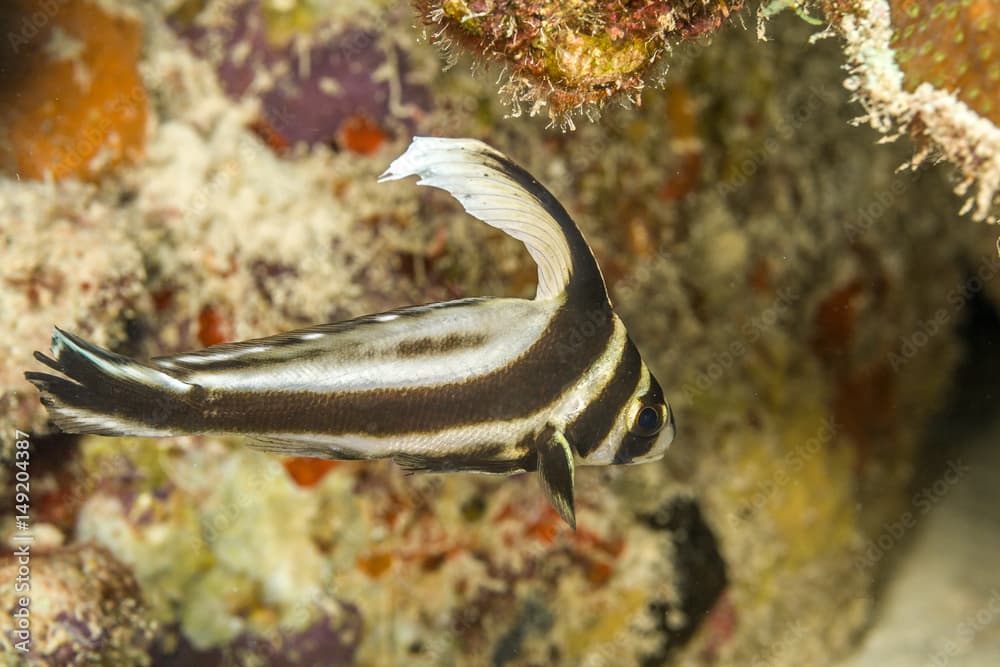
<point>458,167</point>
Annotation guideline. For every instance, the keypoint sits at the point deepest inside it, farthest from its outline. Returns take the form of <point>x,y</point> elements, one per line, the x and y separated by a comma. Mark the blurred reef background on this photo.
<point>181,173</point>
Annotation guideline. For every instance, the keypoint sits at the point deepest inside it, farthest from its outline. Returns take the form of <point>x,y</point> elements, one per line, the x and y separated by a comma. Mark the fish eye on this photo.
<point>649,420</point>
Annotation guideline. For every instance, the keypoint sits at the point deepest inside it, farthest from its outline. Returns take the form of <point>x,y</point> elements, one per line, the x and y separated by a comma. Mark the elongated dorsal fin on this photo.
<point>503,195</point>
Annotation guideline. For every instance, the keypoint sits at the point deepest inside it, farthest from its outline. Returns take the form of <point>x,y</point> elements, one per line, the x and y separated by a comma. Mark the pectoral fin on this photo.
<point>555,470</point>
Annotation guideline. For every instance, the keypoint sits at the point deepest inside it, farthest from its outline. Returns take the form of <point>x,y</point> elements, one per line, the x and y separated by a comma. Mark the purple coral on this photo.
<point>312,86</point>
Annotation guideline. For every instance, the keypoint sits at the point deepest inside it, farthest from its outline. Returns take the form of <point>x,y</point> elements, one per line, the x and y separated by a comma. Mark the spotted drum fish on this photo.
<point>488,385</point>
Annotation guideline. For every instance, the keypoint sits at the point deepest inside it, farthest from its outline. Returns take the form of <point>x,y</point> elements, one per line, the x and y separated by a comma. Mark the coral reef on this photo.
<point>211,588</point>
<point>72,264</point>
<point>961,57</point>
<point>799,301</point>
<point>572,56</point>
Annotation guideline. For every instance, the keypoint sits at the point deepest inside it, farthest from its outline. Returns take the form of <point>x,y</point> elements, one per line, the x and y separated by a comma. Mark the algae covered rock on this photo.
<point>85,609</point>
<point>572,56</point>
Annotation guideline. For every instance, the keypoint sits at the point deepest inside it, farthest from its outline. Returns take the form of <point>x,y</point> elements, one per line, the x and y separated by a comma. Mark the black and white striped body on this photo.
<point>493,385</point>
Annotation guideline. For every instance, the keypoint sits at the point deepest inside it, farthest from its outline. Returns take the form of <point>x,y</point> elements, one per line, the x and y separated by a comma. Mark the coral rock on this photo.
<point>571,55</point>
<point>85,609</point>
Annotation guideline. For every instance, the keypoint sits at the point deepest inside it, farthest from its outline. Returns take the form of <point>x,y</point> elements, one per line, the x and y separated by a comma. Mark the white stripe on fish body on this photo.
<point>367,356</point>
<point>439,444</point>
<point>73,420</point>
<point>204,360</point>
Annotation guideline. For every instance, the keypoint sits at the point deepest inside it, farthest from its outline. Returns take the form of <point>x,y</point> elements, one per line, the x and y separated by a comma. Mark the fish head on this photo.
<point>647,425</point>
<point>643,423</point>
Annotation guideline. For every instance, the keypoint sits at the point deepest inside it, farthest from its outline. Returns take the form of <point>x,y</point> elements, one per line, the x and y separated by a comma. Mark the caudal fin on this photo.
<point>105,393</point>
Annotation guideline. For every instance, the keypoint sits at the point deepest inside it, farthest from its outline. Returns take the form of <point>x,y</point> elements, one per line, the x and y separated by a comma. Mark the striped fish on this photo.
<point>488,385</point>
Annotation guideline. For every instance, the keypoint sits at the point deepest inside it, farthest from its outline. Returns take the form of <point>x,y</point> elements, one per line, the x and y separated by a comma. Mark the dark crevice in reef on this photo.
<point>974,401</point>
<point>977,383</point>
<point>700,571</point>
<point>533,618</point>
<point>972,405</point>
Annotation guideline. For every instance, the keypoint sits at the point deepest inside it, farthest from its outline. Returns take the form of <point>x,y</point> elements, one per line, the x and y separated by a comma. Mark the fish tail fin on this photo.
<point>104,393</point>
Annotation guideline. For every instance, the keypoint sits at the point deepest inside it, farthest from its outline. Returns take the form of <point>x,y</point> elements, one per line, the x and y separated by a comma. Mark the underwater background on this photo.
<point>180,173</point>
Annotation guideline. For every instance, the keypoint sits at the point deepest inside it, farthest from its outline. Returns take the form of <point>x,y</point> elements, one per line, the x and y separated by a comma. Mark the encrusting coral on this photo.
<point>572,56</point>
<point>952,46</point>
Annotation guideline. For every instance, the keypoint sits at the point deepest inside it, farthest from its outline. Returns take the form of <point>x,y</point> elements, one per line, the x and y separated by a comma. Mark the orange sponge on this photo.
<point>76,105</point>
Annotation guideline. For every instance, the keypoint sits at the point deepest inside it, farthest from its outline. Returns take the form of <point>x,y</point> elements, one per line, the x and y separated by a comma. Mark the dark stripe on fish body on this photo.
<point>593,425</point>
<point>517,390</point>
<point>439,345</point>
